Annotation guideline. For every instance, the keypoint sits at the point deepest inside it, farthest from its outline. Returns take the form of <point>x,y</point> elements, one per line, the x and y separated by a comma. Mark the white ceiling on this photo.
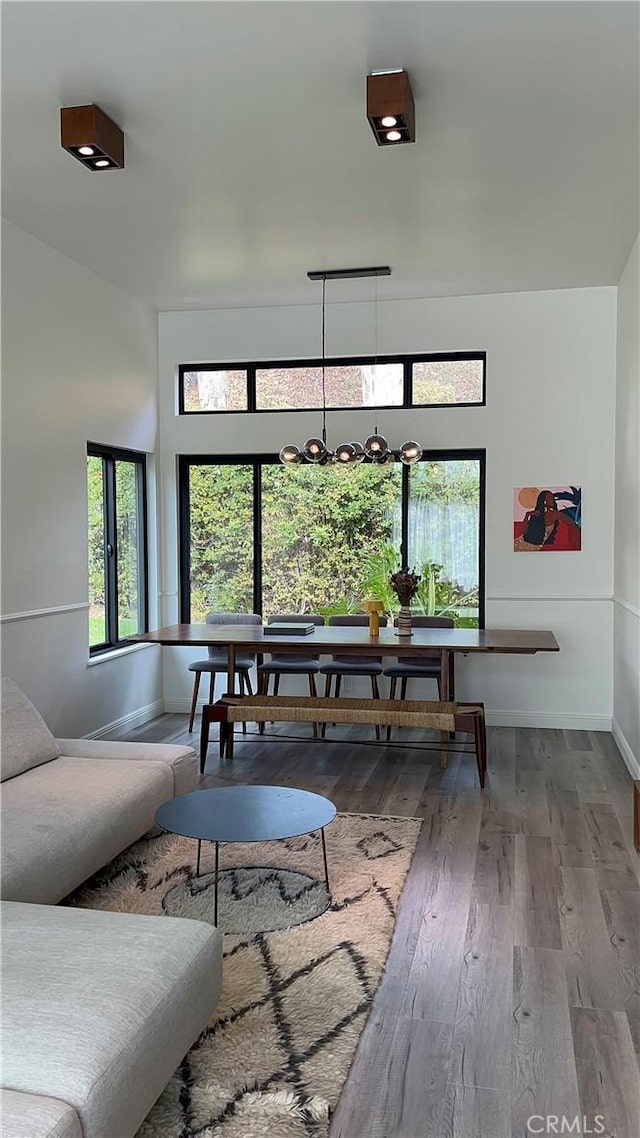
<point>249,158</point>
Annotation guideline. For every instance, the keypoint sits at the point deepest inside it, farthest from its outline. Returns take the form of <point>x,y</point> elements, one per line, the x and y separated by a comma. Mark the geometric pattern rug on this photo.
<point>273,1059</point>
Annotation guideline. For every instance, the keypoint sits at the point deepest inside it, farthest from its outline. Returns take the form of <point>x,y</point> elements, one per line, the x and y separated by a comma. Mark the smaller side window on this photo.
<point>117,546</point>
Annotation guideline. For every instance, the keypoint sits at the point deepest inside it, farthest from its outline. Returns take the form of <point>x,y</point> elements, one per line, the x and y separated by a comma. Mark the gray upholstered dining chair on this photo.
<point>353,665</point>
<point>283,664</point>
<point>217,661</point>
<point>424,666</point>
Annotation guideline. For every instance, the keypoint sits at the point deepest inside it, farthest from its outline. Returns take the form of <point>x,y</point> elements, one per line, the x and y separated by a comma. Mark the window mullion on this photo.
<point>257,537</point>
<point>111,552</point>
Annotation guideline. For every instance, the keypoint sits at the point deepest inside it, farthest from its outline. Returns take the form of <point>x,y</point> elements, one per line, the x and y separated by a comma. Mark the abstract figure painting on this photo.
<point>547,519</point>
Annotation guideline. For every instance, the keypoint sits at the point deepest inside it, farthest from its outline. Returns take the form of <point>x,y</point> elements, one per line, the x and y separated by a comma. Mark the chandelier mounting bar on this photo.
<point>348,274</point>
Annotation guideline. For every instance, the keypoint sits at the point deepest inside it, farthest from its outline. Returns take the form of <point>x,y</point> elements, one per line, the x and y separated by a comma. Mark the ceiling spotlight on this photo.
<point>92,137</point>
<point>390,104</point>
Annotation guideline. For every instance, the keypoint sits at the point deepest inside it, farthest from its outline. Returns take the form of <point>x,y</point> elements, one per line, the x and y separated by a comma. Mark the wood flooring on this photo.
<point>512,989</point>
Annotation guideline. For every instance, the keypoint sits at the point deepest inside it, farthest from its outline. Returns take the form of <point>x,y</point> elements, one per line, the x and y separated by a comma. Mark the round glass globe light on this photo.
<point>290,454</point>
<point>410,452</point>
<point>375,445</point>
<point>345,454</point>
<point>314,450</point>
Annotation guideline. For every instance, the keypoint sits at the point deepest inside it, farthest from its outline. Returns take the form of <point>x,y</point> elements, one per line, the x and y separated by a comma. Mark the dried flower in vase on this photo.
<point>405,585</point>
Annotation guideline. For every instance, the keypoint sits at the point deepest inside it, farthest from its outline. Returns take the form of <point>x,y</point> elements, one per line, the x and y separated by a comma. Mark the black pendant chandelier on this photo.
<point>375,448</point>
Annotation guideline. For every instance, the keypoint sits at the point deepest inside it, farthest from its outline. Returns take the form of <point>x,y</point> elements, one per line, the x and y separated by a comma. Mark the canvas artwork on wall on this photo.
<point>547,518</point>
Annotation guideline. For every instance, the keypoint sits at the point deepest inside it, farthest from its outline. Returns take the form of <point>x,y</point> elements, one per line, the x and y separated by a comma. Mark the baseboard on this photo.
<point>631,762</point>
<point>133,719</point>
<point>181,706</point>
<point>553,719</point>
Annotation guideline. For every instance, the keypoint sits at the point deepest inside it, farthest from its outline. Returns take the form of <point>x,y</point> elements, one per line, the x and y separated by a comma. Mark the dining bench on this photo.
<point>422,714</point>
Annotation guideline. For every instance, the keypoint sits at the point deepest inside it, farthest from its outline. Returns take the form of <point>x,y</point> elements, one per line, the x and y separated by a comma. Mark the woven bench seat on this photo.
<point>425,714</point>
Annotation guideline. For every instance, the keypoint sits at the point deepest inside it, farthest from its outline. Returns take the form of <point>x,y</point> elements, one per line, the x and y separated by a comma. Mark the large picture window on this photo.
<point>260,537</point>
<point>116,490</point>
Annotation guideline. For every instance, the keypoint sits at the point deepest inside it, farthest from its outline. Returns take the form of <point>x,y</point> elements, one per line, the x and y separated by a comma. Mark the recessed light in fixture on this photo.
<point>88,150</point>
<point>102,162</point>
<point>389,120</point>
<point>392,136</point>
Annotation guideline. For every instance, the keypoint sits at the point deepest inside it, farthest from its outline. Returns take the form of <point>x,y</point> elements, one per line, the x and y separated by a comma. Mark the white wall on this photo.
<point>79,364</point>
<point>626,642</point>
<point>549,420</point>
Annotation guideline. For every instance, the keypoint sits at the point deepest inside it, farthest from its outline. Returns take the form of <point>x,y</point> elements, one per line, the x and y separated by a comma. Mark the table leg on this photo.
<point>215,894</point>
<point>198,858</point>
<point>324,858</point>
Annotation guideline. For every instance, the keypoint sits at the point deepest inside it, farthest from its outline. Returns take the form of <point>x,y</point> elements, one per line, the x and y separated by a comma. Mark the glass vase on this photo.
<point>404,622</point>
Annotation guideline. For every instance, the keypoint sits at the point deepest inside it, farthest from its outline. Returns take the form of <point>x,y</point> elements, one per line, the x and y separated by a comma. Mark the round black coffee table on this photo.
<point>246,814</point>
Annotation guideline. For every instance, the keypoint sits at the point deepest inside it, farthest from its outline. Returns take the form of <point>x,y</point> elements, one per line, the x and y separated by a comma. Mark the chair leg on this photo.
<point>243,691</point>
<point>480,737</point>
<point>247,680</point>
<point>194,699</point>
<point>263,689</point>
<point>393,682</point>
<point>327,693</point>
<point>376,695</point>
<point>403,688</point>
<point>313,693</point>
<point>212,687</point>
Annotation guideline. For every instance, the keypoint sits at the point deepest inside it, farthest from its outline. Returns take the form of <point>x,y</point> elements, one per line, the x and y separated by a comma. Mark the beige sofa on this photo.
<point>98,1008</point>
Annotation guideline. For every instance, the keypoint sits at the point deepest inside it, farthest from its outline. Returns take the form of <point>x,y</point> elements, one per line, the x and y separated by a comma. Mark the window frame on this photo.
<point>407,361</point>
<point>109,457</point>
<point>256,461</point>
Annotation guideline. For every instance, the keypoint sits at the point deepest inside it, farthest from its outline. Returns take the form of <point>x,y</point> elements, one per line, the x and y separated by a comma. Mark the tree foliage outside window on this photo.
<point>330,536</point>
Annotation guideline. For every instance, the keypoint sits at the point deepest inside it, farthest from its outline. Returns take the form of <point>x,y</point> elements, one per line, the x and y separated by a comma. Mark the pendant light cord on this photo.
<point>324,401</point>
<point>375,347</point>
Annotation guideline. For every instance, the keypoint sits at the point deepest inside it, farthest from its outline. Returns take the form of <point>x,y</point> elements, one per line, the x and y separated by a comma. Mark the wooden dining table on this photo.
<point>330,640</point>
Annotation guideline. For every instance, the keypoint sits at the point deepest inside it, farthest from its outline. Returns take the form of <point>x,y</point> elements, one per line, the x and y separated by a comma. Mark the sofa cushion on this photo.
<point>34,1116</point>
<point>98,1008</point>
<point>26,740</point>
<point>181,760</point>
<point>63,821</point>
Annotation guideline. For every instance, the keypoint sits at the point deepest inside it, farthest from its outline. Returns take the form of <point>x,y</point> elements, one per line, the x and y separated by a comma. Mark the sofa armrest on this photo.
<point>182,760</point>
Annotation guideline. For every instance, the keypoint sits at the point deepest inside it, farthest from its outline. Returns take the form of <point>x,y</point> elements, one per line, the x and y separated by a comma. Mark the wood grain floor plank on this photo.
<point>537,919</point>
<point>532,804</point>
<point>481,1047</point>
<point>607,1071</point>
<point>493,879</point>
<point>613,863</point>
<point>432,982</point>
<point>591,967</point>
<point>412,1094</point>
<point>622,917</point>
<point>571,843</point>
<point>544,1079</point>
<point>475,1112</point>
